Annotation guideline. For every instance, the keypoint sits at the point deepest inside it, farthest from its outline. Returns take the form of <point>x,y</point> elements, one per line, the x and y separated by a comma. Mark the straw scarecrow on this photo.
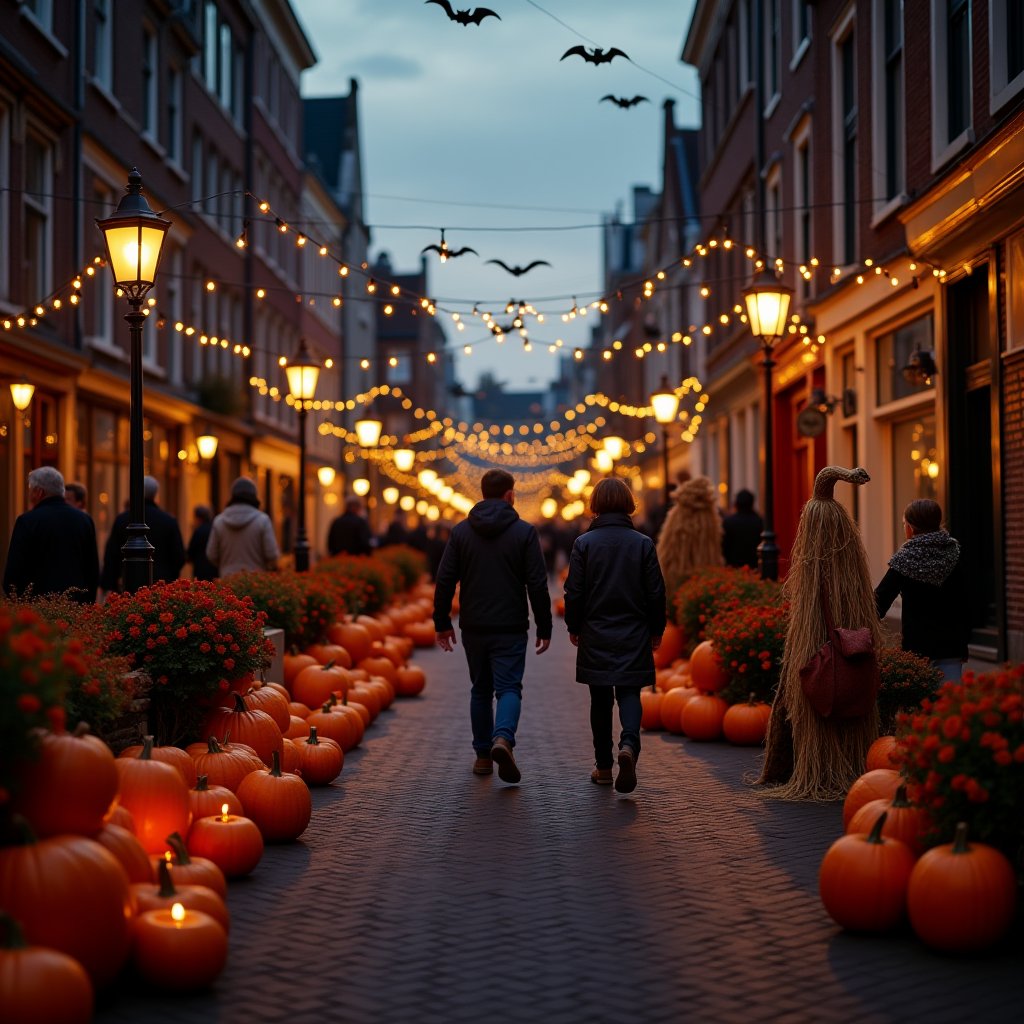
<point>692,535</point>
<point>809,757</point>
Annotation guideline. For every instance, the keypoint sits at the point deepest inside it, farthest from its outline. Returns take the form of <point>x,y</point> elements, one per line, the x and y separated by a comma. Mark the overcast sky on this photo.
<point>488,115</point>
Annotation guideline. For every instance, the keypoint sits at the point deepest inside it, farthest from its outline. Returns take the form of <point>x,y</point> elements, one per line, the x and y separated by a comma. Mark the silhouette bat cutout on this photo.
<point>595,56</point>
<point>621,101</point>
<point>445,252</point>
<point>473,17</point>
<point>519,271</point>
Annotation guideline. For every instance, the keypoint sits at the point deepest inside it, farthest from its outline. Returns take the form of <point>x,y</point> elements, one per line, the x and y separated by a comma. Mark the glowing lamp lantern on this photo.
<point>615,447</point>
<point>405,459</point>
<point>361,486</point>
<point>368,431</point>
<point>178,949</point>
<point>390,495</point>
<point>445,493</point>
<point>575,485</point>
<point>426,477</point>
<point>603,462</point>
<point>407,503</point>
<point>665,403</point>
<point>583,476</point>
<point>421,507</point>
<point>207,445</point>
<point>548,508</point>
<point>326,475</point>
<point>767,302</point>
<point>21,394</point>
<point>302,373</point>
<point>433,513</point>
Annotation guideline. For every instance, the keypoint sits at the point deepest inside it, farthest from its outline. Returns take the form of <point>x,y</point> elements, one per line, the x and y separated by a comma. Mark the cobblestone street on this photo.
<point>423,893</point>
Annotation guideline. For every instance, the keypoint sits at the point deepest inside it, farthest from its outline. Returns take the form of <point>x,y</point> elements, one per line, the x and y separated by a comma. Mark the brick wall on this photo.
<point>1013,501</point>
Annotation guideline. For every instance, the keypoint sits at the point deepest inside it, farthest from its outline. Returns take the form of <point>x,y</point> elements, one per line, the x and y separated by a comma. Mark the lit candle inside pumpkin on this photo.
<point>178,914</point>
<point>178,948</point>
<point>231,841</point>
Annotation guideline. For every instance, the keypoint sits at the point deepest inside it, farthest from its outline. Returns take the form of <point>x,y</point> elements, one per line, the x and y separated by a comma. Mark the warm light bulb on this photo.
<point>361,486</point>
<point>178,912</point>
<point>223,812</point>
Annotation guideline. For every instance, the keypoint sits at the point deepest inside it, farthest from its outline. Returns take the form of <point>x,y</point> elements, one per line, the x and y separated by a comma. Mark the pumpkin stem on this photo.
<point>312,740</point>
<point>202,784</point>
<point>960,844</point>
<point>752,699</point>
<point>900,799</point>
<point>239,703</point>
<point>82,729</point>
<point>15,937</point>
<point>177,844</point>
<point>146,753</point>
<point>212,746</point>
<point>166,884</point>
<point>275,768</point>
<point>875,835</point>
<point>329,664</point>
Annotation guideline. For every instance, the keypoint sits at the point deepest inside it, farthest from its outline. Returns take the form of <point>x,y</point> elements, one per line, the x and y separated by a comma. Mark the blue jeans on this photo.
<point>952,669</point>
<point>496,665</point>
<point>602,699</point>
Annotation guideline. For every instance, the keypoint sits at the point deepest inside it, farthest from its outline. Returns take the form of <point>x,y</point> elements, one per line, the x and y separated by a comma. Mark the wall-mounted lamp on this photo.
<point>21,394</point>
<point>207,445</point>
<point>325,474</point>
<point>921,368</point>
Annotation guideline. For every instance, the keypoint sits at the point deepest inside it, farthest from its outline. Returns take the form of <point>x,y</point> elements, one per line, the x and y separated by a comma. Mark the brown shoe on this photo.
<point>501,754</point>
<point>625,781</point>
<point>483,766</point>
<point>601,776</point>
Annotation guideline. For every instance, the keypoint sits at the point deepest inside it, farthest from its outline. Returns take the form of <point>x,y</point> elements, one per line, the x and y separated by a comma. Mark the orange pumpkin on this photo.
<point>120,816</point>
<point>224,764</point>
<point>422,634</point>
<point>387,649</point>
<point>379,665</point>
<point>189,870</point>
<point>155,795</point>
<point>291,761</point>
<point>279,803</point>
<point>253,727</point>
<point>672,705</point>
<point>321,759</point>
<point>701,718</point>
<point>409,681</point>
<point>294,663</point>
<point>363,693</point>
<point>878,784</point>
<point>71,785</point>
<point>706,668</point>
<point>746,724</point>
<point>235,845</point>
<point>174,756</point>
<point>207,799</point>
<point>296,709</point>
<point>341,723</point>
<point>671,647</point>
<point>312,686</point>
<point>880,753</point>
<point>355,638</point>
<point>372,626</point>
<point>165,893</point>
<point>128,851</point>
<point>903,821</point>
<point>297,727</point>
<point>650,703</point>
<point>270,700</point>
<point>330,654</point>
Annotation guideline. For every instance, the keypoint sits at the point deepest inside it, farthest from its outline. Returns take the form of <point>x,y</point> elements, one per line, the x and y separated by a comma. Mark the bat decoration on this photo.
<point>519,271</point>
<point>622,101</point>
<point>445,252</point>
<point>595,56</point>
<point>473,17</point>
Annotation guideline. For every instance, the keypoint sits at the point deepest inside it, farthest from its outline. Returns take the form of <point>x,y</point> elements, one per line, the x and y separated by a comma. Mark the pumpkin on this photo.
<point>962,895</point>
<point>234,845</point>
<point>72,895</point>
<point>156,797</point>
<point>189,870</point>
<point>339,722</point>
<point>385,689</point>
<point>390,650</point>
<point>206,799</point>
<point>321,760</point>
<point>355,638</point>
<point>372,626</point>
<point>297,727</point>
<point>363,693</point>
<point>409,681</point>
<point>70,787</point>
<point>650,704</point>
<point>701,717</point>
<point>670,648</point>
<point>672,705</point>
<point>119,815</point>
<point>279,803</point>
<point>38,984</point>
<point>422,634</point>
<point>880,753</point>
<point>363,710</point>
<point>747,724</point>
<point>863,880</point>
<point>176,757</point>
<point>164,894</point>
<point>706,669</point>
<point>224,764</point>
<point>127,850</point>
<point>904,821</point>
<point>180,957</point>
<point>380,665</point>
<point>268,699</point>
<point>253,727</point>
<point>294,663</point>
<point>281,689</point>
<point>291,761</point>
<point>877,784</point>
<point>298,710</point>
<point>330,654</point>
<point>313,685</point>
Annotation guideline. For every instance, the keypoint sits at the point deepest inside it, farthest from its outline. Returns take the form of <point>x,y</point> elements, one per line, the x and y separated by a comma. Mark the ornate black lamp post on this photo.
<point>134,237</point>
<point>303,373</point>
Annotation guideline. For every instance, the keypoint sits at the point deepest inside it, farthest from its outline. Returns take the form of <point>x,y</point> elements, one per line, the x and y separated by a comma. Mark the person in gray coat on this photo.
<point>242,537</point>
<point>615,614</point>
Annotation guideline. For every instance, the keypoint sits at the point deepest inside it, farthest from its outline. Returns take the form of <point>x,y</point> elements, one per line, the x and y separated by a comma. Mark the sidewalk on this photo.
<point>425,894</point>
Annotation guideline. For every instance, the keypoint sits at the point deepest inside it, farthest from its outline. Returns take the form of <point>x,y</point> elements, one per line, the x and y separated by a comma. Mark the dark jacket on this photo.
<point>165,536</point>
<point>202,567</point>
<point>741,534</point>
<point>928,570</point>
<point>614,603</point>
<point>349,535</point>
<point>496,558</point>
<point>53,547</point>
<point>394,534</point>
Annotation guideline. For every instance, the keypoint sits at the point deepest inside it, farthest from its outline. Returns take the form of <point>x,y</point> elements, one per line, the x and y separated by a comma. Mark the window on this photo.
<point>210,45</point>
<point>99,314</point>
<point>212,202</point>
<point>1015,292</point>
<point>174,115</point>
<point>844,91</point>
<point>773,48</point>
<point>5,180</point>
<point>773,212</point>
<point>171,285</point>
<point>42,11</point>
<point>197,169</point>
<point>893,352</point>
<point>226,77</point>
<point>915,466</point>
<point>958,67</point>
<point>37,213</point>
<point>150,73</point>
<point>746,26</point>
<point>1014,38</point>
<point>801,28</point>
<point>802,198</point>
<point>1006,51</point>
<point>401,371</point>
<point>103,43</point>
<point>891,98</point>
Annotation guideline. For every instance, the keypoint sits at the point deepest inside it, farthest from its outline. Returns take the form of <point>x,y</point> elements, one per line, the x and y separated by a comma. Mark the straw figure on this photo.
<point>809,757</point>
<point>692,535</point>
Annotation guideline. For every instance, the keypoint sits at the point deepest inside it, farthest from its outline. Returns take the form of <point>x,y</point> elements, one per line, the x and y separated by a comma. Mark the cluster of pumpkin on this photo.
<point>959,896</point>
<point>686,697</point>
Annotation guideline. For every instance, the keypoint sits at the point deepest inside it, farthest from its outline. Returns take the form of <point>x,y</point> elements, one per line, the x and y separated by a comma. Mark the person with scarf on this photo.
<point>928,572</point>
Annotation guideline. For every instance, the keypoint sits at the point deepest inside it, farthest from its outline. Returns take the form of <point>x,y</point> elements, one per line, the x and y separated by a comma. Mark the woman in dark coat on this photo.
<point>615,613</point>
<point>928,571</point>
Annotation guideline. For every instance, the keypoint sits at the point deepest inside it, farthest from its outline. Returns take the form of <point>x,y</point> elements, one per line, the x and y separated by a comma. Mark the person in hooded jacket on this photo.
<point>495,556</point>
<point>928,572</point>
<point>242,537</point>
<point>615,613</point>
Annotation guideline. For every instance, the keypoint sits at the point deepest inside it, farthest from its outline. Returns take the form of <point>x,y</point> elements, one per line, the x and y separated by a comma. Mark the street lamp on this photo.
<point>615,447</point>
<point>767,301</point>
<point>206,445</point>
<point>134,237</point>
<point>368,431</point>
<point>21,394</point>
<point>303,372</point>
<point>405,459</point>
<point>665,403</point>
<point>361,486</point>
<point>326,475</point>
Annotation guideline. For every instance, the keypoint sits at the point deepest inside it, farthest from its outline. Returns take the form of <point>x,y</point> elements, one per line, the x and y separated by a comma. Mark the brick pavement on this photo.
<point>423,893</point>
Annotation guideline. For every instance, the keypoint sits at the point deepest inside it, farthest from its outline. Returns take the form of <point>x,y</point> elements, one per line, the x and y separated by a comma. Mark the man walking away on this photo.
<point>350,532</point>
<point>496,558</point>
<point>53,545</point>
<point>741,532</point>
<point>202,526</point>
